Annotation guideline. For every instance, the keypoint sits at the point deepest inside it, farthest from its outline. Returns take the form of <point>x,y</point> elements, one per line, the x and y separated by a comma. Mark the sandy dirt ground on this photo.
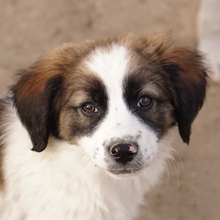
<point>191,188</point>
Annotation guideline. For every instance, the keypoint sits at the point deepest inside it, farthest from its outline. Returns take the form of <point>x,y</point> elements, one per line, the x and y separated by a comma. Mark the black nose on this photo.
<point>123,153</point>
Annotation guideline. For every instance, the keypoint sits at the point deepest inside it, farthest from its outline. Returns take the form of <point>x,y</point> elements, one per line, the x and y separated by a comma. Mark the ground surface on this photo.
<point>191,190</point>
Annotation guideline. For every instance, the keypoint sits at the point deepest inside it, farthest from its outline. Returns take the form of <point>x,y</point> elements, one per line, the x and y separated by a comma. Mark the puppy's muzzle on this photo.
<point>124,152</point>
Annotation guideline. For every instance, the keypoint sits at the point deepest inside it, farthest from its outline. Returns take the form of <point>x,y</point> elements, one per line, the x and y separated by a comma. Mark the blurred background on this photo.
<point>28,28</point>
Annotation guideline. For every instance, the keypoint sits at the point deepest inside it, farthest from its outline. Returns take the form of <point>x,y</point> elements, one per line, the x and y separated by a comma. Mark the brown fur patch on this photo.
<point>43,89</point>
<point>82,87</point>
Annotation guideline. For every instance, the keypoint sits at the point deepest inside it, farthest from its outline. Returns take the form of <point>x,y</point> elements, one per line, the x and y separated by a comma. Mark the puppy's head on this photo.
<point>116,98</point>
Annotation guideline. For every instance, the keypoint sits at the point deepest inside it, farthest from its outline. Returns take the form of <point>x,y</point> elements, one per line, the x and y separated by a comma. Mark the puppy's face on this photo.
<point>117,98</point>
<point>122,112</point>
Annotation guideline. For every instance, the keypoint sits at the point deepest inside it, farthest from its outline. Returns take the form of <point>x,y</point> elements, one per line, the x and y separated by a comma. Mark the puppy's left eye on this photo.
<point>145,102</point>
<point>89,108</point>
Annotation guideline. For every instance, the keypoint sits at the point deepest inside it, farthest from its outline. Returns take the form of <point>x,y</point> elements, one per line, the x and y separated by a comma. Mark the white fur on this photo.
<point>67,181</point>
<point>112,66</point>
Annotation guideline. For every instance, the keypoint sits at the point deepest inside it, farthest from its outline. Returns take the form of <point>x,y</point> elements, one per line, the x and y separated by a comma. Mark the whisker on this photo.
<point>176,162</point>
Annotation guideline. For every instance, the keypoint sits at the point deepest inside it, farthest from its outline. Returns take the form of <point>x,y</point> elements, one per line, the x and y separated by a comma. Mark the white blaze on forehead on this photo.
<point>110,64</point>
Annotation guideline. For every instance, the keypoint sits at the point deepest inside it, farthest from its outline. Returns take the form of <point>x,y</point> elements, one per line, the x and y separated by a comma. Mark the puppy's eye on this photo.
<point>145,102</point>
<point>89,108</point>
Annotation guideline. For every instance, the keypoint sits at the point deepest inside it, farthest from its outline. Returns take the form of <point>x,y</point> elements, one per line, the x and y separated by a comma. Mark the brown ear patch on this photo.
<point>33,97</point>
<point>35,106</point>
<point>188,76</point>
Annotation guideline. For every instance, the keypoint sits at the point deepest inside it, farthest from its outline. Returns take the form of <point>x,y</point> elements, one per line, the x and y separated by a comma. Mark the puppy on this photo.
<point>87,129</point>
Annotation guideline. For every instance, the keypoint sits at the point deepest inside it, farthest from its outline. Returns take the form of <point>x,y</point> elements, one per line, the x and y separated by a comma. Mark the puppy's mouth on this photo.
<point>124,171</point>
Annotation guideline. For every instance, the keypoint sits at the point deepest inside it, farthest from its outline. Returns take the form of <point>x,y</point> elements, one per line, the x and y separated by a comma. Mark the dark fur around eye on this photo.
<point>148,101</point>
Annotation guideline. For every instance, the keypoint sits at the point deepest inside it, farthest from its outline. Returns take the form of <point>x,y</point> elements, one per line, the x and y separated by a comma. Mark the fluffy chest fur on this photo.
<point>87,130</point>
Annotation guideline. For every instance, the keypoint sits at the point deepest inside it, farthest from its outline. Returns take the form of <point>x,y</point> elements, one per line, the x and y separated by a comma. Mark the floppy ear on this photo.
<point>35,100</point>
<point>188,77</point>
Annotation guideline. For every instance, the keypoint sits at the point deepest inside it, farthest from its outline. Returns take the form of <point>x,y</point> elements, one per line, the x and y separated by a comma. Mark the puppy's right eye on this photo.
<point>89,108</point>
<point>145,102</point>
